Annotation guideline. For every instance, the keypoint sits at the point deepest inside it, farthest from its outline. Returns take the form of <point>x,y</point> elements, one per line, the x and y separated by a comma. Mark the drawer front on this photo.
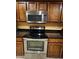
<point>19,39</point>
<point>55,40</point>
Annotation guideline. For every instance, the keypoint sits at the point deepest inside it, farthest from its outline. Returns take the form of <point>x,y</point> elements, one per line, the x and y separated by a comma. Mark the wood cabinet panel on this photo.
<point>54,12</point>
<point>55,48</point>
<point>61,12</point>
<point>19,39</point>
<point>62,16</point>
<point>19,49</point>
<point>17,11</point>
<point>32,6</point>
<point>55,40</point>
<point>22,12</point>
<point>42,6</point>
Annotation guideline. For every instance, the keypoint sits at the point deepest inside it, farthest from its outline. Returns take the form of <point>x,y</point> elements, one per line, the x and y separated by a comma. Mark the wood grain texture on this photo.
<point>19,39</point>
<point>55,48</point>
<point>61,12</point>
<point>55,40</point>
<point>32,6</point>
<point>19,47</point>
<point>42,6</point>
<point>53,12</point>
<point>22,11</point>
<point>17,11</point>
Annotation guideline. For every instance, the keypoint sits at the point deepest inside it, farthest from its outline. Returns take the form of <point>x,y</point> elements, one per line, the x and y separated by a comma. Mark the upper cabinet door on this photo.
<point>54,12</point>
<point>17,11</point>
<point>31,6</point>
<point>61,12</point>
<point>42,6</point>
<point>22,11</point>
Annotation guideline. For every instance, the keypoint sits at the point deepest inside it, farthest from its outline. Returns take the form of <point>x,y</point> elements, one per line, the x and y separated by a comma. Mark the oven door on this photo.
<point>35,46</point>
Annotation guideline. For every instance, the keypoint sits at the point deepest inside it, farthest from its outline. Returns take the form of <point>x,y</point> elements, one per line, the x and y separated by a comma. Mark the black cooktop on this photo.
<point>35,36</point>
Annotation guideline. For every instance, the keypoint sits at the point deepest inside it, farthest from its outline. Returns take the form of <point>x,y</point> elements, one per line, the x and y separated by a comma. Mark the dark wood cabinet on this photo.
<point>19,47</point>
<point>21,11</point>
<point>17,11</point>
<point>54,12</point>
<point>31,6</point>
<point>42,6</point>
<point>61,12</point>
<point>36,6</point>
<point>55,48</point>
<point>62,16</point>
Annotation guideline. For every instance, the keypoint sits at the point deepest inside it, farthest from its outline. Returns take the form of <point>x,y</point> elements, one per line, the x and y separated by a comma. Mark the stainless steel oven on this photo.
<point>36,16</point>
<point>35,43</point>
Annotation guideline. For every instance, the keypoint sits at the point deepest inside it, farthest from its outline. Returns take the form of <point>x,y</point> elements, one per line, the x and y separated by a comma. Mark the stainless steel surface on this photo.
<point>29,54</point>
<point>29,39</point>
<point>36,12</point>
<point>35,56</point>
<point>42,13</point>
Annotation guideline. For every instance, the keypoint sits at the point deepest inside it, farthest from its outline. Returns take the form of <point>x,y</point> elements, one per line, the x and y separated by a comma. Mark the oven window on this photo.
<point>35,45</point>
<point>34,17</point>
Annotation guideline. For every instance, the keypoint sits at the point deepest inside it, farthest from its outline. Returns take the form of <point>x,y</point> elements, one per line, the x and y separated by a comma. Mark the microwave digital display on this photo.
<point>35,45</point>
<point>34,17</point>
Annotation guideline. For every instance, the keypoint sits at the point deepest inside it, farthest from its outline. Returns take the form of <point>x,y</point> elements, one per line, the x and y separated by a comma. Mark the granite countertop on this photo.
<point>54,34</point>
<point>20,34</point>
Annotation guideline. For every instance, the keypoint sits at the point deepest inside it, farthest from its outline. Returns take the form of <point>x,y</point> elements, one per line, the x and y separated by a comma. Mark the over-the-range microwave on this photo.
<point>36,16</point>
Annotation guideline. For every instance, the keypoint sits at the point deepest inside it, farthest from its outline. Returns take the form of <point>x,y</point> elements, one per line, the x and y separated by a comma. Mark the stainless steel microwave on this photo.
<point>36,16</point>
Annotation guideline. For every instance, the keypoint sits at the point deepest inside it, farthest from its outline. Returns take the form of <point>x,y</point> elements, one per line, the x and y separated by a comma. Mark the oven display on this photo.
<point>35,45</point>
